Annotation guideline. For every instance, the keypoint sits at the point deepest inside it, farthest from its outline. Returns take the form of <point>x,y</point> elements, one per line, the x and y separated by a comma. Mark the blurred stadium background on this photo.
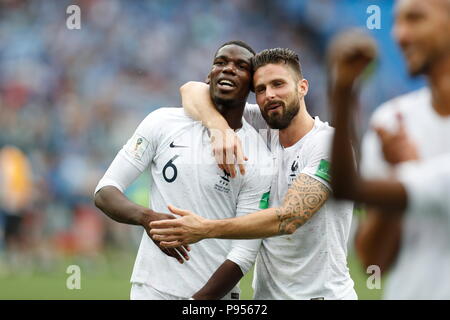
<point>69,99</point>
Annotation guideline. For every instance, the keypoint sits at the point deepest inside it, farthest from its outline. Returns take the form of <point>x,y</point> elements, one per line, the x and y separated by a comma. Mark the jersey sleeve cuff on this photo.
<point>244,253</point>
<point>314,176</point>
<point>108,182</point>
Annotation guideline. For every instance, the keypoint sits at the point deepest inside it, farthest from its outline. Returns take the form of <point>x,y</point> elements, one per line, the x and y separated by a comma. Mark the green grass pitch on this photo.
<point>108,279</point>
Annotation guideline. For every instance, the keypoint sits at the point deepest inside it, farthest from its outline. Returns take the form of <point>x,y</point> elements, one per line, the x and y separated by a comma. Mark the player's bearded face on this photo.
<point>277,94</point>
<point>419,30</point>
<point>283,115</point>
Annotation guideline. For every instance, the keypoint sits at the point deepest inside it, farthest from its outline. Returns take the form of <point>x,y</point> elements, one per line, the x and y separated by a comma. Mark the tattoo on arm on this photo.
<point>304,198</point>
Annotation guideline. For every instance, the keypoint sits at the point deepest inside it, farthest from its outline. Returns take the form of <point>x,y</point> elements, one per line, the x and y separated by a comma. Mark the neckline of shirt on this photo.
<point>317,125</point>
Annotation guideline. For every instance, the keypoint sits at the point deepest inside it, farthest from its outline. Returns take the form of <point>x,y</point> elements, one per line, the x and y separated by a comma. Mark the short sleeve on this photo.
<point>135,155</point>
<point>141,148</point>
<point>317,159</point>
<point>427,185</point>
<point>120,174</point>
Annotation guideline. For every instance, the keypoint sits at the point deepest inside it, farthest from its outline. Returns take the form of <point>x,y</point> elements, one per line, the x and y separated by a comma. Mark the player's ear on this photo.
<point>208,78</point>
<point>303,87</point>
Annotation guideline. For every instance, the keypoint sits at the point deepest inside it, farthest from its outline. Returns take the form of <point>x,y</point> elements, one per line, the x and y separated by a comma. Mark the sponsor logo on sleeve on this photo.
<point>138,146</point>
<point>323,171</point>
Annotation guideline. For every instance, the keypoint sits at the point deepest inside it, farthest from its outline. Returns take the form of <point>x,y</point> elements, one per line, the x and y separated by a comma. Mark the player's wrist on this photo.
<point>145,216</point>
<point>213,228</point>
<point>218,123</point>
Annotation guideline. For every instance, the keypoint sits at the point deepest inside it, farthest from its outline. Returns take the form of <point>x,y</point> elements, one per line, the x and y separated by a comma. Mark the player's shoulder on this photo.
<point>249,135</point>
<point>164,121</point>
<point>247,129</point>
<point>171,113</point>
<point>322,131</point>
<point>166,117</point>
<point>401,104</point>
<point>251,107</point>
<point>318,141</point>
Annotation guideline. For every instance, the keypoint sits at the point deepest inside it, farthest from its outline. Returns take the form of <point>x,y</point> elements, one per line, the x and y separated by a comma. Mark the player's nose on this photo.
<point>270,93</point>
<point>229,68</point>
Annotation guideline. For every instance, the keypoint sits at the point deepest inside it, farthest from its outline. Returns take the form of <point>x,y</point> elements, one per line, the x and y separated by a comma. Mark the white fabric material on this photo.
<point>312,262</point>
<point>141,291</point>
<point>120,174</point>
<point>428,186</point>
<point>183,173</point>
<point>424,258</point>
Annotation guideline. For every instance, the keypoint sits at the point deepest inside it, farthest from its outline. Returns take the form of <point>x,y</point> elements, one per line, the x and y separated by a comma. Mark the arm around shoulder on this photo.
<point>197,103</point>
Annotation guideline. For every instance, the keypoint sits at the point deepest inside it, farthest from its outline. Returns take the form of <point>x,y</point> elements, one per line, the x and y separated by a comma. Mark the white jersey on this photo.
<point>185,174</point>
<point>428,186</point>
<point>312,262</point>
<point>424,257</point>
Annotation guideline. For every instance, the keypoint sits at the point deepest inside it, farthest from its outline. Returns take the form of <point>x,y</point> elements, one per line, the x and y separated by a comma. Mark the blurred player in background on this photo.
<point>304,253</point>
<point>415,247</point>
<point>15,198</point>
<point>176,150</point>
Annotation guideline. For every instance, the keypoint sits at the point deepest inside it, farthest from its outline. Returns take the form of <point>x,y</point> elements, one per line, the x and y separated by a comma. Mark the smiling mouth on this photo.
<point>226,85</point>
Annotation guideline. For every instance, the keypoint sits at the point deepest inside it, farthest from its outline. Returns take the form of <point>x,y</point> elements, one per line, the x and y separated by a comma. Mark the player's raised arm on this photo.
<point>350,54</point>
<point>378,238</point>
<point>198,104</point>
<point>226,145</point>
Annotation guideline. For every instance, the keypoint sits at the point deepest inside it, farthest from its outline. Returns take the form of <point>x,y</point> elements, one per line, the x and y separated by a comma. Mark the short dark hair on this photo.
<point>277,56</point>
<point>237,43</point>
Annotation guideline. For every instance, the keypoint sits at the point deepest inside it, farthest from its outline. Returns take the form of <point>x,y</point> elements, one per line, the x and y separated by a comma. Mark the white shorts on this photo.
<point>141,291</point>
<point>351,296</point>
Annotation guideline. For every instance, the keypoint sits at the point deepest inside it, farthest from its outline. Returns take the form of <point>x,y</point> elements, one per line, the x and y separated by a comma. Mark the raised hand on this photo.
<point>348,56</point>
<point>397,146</point>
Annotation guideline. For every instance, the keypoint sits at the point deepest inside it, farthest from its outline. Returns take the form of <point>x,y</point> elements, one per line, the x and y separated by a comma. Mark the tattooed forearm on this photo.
<point>303,199</point>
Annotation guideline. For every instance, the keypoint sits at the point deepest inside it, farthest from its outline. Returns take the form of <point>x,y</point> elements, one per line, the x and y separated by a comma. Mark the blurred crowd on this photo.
<point>69,99</point>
